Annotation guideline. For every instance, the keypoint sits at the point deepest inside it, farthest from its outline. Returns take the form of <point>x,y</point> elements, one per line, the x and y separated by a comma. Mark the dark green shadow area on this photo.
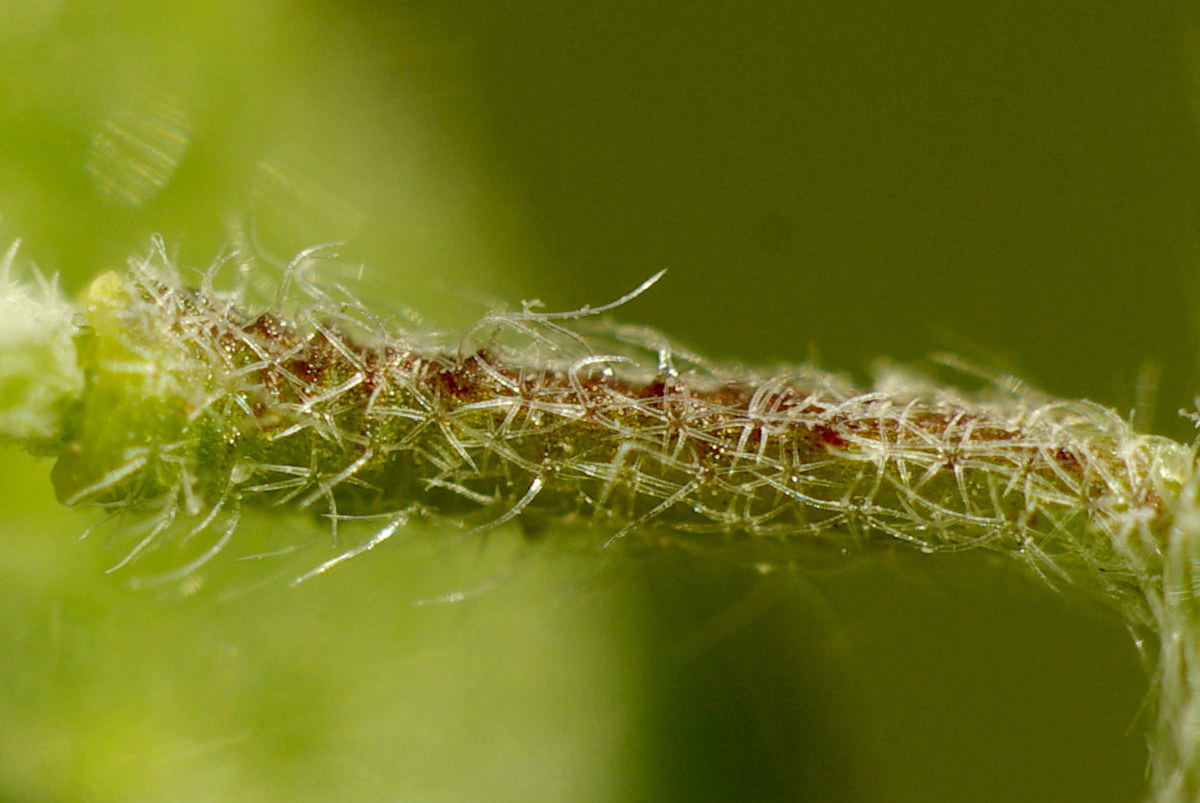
<point>894,677</point>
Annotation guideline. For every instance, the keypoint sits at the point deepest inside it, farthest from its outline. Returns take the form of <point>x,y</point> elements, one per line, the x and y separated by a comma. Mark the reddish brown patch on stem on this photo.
<point>829,436</point>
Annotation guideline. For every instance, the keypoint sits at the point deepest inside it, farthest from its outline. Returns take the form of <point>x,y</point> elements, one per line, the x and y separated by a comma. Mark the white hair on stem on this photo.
<point>39,371</point>
<point>184,407</point>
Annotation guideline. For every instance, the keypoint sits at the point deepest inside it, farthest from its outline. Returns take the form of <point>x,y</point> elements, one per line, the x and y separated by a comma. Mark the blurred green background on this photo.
<point>1015,184</point>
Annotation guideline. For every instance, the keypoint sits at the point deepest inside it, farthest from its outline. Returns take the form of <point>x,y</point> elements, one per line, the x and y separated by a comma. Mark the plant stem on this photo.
<point>182,405</point>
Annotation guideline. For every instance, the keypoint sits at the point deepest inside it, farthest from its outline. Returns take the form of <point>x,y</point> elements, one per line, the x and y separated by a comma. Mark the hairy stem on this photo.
<point>191,408</point>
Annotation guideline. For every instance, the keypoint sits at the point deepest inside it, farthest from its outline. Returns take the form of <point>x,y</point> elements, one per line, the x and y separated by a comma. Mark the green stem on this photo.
<point>179,403</point>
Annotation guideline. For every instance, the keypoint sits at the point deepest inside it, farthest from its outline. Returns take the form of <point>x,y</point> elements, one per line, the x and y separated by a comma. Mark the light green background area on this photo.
<point>1014,184</point>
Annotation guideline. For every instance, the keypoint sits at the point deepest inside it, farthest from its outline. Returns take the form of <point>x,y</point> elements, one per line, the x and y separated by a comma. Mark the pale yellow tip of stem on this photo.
<point>39,370</point>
